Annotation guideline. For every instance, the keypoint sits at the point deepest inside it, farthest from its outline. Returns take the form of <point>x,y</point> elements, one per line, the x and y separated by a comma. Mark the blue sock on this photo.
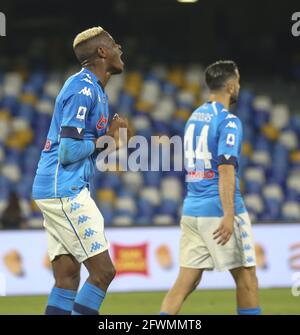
<point>249,311</point>
<point>88,300</point>
<point>60,302</point>
<point>163,313</point>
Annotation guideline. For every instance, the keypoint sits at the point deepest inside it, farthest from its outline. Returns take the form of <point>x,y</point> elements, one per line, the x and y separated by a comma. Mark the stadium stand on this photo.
<point>157,102</point>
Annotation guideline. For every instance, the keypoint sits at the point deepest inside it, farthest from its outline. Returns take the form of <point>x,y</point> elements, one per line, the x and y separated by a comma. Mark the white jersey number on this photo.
<point>201,151</point>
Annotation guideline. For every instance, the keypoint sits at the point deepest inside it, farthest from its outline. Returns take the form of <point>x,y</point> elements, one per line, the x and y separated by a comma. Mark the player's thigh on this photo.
<point>193,252</point>
<point>188,279</point>
<point>53,223</point>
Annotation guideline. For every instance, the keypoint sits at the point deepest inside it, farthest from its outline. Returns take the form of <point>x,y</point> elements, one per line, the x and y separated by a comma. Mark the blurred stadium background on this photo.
<point>166,46</point>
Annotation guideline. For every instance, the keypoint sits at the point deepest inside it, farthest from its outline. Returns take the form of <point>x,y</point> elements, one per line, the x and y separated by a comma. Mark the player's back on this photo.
<point>211,134</point>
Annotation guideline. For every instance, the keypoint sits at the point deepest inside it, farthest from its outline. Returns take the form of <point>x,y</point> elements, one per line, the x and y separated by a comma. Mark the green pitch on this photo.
<point>273,301</point>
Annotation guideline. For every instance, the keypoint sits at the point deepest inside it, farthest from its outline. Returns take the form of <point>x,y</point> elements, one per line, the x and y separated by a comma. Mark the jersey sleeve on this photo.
<point>75,112</point>
<point>71,150</point>
<point>230,140</point>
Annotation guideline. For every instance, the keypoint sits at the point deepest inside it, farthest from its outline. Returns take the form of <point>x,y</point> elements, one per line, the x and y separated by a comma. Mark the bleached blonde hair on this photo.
<point>86,35</point>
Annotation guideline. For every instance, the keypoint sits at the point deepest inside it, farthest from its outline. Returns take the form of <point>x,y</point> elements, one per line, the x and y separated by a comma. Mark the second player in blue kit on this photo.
<point>215,227</point>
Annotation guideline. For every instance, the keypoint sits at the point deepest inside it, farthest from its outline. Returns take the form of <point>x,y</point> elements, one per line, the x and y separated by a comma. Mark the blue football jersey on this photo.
<point>81,104</point>
<point>211,133</point>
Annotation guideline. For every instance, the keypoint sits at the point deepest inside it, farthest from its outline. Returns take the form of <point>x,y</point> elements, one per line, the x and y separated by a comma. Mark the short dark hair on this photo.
<point>218,73</point>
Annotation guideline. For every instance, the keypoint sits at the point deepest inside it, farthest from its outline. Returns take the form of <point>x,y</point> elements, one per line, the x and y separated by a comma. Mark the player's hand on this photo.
<point>225,229</point>
<point>116,124</point>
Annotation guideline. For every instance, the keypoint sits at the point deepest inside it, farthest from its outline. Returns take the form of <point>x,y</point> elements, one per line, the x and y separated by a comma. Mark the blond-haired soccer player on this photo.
<point>74,224</point>
<point>216,230</point>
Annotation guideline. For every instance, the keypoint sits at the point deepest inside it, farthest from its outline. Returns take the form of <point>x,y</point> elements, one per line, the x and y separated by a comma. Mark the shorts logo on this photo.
<point>82,219</point>
<point>47,146</point>
<point>75,206</point>
<point>101,123</point>
<point>95,246</point>
<point>250,259</point>
<point>72,197</point>
<point>244,234</point>
<point>89,232</point>
<point>241,221</point>
<point>81,113</point>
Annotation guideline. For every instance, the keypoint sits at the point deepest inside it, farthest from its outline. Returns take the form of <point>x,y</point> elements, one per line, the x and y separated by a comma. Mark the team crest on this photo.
<point>101,123</point>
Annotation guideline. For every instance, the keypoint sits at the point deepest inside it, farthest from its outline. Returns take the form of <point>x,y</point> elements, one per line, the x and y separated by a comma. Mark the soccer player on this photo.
<point>74,224</point>
<point>215,227</point>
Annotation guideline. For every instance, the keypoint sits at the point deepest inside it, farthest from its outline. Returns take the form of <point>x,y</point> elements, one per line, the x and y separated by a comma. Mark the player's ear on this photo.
<point>230,86</point>
<point>102,52</point>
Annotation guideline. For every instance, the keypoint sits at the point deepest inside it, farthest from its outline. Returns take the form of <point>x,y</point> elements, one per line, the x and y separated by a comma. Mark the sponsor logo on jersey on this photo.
<point>86,91</point>
<point>230,116</point>
<point>231,124</point>
<point>200,175</point>
<point>87,80</point>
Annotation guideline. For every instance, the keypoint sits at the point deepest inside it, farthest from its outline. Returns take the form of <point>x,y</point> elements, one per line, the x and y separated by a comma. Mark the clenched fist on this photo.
<point>115,125</point>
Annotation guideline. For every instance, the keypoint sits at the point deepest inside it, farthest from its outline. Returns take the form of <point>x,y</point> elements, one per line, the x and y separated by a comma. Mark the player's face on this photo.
<point>236,88</point>
<point>114,61</point>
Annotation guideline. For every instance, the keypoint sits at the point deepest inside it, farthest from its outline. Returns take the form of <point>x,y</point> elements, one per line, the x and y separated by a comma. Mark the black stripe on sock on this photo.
<point>52,310</point>
<point>84,310</point>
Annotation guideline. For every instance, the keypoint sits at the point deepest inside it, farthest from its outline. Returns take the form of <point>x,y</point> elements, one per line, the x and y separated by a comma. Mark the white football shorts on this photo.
<point>74,225</point>
<point>199,250</point>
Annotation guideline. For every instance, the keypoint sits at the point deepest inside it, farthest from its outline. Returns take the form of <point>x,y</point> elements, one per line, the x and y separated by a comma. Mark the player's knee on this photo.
<point>253,278</point>
<point>196,283</point>
<point>111,274</point>
<point>248,282</point>
<point>69,282</point>
<point>103,277</point>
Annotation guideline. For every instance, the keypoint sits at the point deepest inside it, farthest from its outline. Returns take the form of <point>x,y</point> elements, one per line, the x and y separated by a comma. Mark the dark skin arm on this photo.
<point>226,192</point>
